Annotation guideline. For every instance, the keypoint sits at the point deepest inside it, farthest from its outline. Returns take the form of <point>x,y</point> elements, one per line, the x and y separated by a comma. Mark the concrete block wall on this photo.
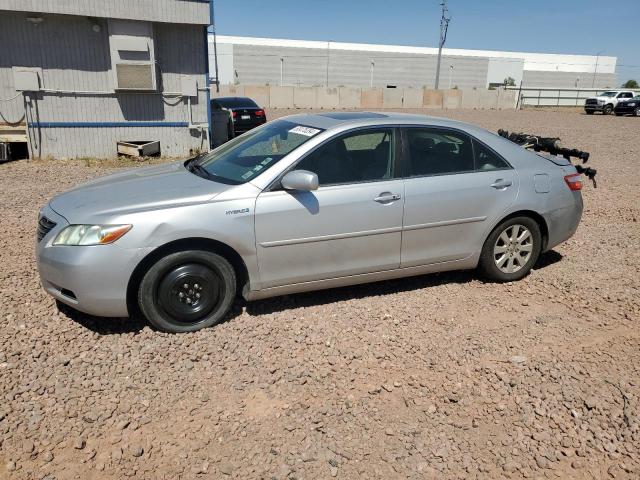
<point>342,98</point>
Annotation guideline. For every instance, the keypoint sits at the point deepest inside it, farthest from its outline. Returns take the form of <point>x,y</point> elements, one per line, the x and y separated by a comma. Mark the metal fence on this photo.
<point>555,97</point>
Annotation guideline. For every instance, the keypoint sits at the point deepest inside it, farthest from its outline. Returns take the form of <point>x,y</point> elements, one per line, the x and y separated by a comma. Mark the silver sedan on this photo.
<point>304,203</point>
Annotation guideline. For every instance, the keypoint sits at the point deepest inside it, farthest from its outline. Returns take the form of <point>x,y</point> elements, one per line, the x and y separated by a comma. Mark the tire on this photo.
<point>589,112</point>
<point>636,112</point>
<point>187,291</point>
<point>527,251</point>
<point>607,110</point>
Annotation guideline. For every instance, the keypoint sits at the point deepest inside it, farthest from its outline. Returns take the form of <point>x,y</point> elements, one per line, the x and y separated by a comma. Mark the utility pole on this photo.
<point>444,26</point>
<point>215,47</point>
<point>595,70</point>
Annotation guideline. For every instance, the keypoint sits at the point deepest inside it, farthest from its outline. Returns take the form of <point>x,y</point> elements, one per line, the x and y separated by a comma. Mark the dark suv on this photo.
<point>244,113</point>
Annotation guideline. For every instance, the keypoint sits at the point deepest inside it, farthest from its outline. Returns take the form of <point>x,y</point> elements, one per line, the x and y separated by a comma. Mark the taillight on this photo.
<point>259,113</point>
<point>574,181</point>
<point>234,114</point>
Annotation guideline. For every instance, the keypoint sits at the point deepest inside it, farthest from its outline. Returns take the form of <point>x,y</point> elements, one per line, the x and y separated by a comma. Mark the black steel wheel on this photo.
<point>187,291</point>
<point>608,110</point>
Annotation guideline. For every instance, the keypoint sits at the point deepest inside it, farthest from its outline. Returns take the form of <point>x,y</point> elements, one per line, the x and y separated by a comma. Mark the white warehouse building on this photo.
<point>269,61</point>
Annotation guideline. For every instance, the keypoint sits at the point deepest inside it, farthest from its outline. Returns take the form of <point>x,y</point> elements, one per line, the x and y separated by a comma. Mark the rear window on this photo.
<point>236,102</point>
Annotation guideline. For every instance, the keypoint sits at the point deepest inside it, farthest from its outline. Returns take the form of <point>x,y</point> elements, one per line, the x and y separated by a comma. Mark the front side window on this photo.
<point>362,156</point>
<point>607,94</point>
<point>247,156</point>
<point>435,151</point>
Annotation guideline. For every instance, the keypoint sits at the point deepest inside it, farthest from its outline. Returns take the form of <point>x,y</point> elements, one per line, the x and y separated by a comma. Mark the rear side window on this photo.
<point>435,151</point>
<point>362,156</point>
<point>487,159</point>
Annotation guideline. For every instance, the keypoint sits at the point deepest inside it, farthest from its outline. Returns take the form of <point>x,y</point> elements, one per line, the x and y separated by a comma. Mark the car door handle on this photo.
<point>386,197</point>
<point>501,184</point>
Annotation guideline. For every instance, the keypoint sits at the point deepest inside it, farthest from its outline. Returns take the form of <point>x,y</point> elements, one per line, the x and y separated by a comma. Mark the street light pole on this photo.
<point>328,45</point>
<point>444,26</point>
<point>450,73</point>
<point>595,70</point>
<point>371,79</point>
<point>281,71</point>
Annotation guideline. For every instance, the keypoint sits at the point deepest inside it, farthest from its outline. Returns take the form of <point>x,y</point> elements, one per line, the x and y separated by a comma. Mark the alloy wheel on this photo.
<point>513,248</point>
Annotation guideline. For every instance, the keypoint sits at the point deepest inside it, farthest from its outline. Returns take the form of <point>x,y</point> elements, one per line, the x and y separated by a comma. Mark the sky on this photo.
<point>541,26</point>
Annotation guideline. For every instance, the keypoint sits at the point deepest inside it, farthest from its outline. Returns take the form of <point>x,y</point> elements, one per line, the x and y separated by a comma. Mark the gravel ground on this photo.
<point>440,376</point>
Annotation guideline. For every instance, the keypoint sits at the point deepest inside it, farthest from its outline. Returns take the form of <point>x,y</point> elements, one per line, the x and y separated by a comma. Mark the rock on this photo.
<point>47,456</point>
<point>28,446</point>
<point>79,443</point>
<point>11,466</point>
<point>542,462</point>
<point>137,451</point>
<point>578,464</point>
<point>225,468</point>
<point>510,467</point>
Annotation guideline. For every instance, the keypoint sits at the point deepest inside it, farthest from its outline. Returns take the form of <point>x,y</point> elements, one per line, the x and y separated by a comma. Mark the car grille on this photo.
<point>592,102</point>
<point>44,226</point>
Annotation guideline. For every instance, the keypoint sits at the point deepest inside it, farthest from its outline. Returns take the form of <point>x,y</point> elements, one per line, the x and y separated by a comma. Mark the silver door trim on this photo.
<point>324,238</point>
<point>444,223</point>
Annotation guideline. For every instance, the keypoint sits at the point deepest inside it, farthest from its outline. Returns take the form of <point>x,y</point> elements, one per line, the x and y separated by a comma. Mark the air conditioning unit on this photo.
<point>131,76</point>
<point>132,54</point>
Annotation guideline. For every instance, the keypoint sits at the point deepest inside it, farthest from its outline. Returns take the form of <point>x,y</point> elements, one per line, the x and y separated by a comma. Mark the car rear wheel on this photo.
<point>511,250</point>
<point>608,109</point>
<point>636,112</point>
<point>187,291</point>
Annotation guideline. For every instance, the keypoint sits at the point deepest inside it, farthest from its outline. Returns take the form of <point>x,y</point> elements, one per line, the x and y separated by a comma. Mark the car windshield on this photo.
<point>236,102</point>
<point>608,94</point>
<point>248,155</point>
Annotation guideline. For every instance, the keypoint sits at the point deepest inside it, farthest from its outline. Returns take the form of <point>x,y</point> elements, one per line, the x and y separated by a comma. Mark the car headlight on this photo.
<point>91,234</point>
<point>600,102</point>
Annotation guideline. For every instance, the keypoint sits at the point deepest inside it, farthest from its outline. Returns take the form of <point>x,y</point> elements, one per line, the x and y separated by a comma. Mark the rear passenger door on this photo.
<point>454,188</point>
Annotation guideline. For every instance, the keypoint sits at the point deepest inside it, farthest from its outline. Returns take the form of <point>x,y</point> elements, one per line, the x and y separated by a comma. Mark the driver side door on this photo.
<point>350,225</point>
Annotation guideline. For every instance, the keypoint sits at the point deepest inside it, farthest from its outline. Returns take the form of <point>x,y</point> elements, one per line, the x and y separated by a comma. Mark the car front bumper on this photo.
<point>91,279</point>
<point>626,109</point>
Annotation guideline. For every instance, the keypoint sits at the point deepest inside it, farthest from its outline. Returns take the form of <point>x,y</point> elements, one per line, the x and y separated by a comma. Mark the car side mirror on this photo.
<point>301,180</point>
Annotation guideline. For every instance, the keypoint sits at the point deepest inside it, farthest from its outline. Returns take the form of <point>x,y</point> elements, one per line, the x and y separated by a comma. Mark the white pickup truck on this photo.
<point>606,101</point>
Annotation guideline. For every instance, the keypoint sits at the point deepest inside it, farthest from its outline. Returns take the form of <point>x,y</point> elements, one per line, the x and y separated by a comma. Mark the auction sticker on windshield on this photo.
<point>306,131</point>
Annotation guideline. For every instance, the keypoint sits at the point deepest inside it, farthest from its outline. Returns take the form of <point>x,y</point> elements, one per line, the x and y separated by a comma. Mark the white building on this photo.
<point>260,61</point>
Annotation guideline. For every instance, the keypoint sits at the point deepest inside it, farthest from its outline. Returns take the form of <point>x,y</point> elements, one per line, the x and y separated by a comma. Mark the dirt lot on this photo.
<point>441,376</point>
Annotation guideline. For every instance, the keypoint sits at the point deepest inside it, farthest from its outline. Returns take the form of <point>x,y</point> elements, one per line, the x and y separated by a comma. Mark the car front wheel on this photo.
<point>511,250</point>
<point>608,110</point>
<point>187,291</point>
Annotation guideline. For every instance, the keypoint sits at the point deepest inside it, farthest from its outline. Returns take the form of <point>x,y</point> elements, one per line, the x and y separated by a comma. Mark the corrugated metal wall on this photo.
<point>174,11</point>
<point>256,65</point>
<point>533,78</point>
<point>75,57</point>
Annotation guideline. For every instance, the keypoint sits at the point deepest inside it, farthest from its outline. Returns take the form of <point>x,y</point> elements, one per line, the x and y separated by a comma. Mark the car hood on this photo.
<point>140,189</point>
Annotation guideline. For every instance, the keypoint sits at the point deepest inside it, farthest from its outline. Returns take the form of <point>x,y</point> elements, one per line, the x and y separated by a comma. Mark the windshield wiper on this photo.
<point>199,170</point>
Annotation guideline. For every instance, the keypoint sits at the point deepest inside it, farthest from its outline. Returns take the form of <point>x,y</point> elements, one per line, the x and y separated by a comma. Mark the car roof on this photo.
<point>332,120</point>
